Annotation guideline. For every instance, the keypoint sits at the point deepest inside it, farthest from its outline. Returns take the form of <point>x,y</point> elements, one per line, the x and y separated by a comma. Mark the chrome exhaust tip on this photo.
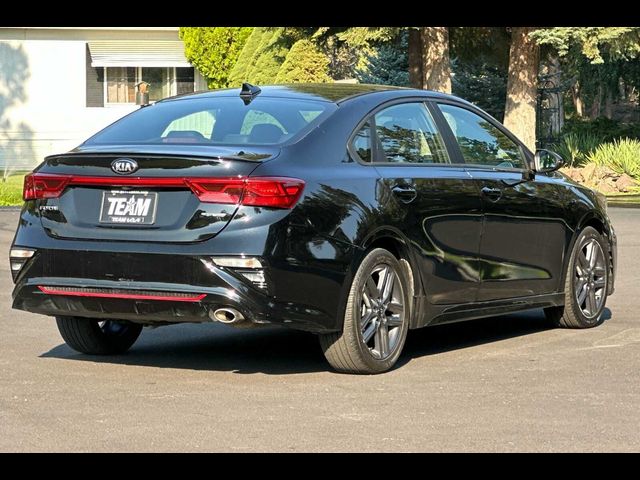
<point>227,315</point>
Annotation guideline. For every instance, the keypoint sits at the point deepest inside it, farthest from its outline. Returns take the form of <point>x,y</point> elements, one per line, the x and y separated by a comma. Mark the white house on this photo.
<point>60,85</point>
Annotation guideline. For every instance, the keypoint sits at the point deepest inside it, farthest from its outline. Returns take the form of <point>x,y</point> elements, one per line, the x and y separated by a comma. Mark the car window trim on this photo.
<point>524,151</point>
<point>370,116</point>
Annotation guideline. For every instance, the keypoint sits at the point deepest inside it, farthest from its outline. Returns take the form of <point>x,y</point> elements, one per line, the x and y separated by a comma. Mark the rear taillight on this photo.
<point>217,190</point>
<point>275,192</point>
<point>272,192</point>
<point>37,185</point>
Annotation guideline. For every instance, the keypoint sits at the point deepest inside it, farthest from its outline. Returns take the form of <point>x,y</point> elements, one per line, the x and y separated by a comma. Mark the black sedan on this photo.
<point>355,212</point>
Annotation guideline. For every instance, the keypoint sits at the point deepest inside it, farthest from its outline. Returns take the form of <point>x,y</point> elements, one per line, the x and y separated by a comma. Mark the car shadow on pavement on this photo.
<point>276,351</point>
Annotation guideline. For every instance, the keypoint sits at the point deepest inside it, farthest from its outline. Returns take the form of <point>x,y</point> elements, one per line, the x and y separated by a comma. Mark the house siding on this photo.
<point>95,83</point>
<point>49,91</point>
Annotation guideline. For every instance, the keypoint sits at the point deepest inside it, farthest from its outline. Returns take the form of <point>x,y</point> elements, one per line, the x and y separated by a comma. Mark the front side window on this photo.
<point>406,133</point>
<point>481,142</point>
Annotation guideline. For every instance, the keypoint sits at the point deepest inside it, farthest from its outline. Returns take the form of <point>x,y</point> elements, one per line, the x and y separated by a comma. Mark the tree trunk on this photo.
<point>520,111</point>
<point>608,105</point>
<point>597,103</point>
<point>415,58</point>
<point>555,97</point>
<point>436,67</point>
<point>576,94</point>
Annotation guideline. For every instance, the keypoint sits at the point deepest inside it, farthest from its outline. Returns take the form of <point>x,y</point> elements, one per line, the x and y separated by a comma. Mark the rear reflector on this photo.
<point>126,294</point>
<point>237,262</point>
<point>276,192</point>
<point>21,253</point>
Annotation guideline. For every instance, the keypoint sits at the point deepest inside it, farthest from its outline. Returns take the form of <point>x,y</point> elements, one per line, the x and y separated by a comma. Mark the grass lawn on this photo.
<point>11,190</point>
<point>624,200</point>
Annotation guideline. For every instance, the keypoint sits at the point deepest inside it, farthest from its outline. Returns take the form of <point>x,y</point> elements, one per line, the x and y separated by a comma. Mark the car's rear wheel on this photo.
<point>96,337</point>
<point>376,318</point>
<point>586,283</point>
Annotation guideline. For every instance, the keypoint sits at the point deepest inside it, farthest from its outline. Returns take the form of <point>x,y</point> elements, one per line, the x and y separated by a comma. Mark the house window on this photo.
<point>120,82</point>
<point>185,80</point>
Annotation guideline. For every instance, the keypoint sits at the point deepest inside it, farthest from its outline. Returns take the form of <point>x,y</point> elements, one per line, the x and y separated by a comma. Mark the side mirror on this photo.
<point>547,161</point>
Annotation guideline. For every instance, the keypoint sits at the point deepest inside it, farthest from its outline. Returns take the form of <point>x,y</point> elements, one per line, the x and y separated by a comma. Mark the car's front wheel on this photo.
<point>376,318</point>
<point>95,337</point>
<point>586,282</point>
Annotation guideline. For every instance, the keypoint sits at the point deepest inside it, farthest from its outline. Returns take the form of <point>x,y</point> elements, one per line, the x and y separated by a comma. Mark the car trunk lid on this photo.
<point>156,196</point>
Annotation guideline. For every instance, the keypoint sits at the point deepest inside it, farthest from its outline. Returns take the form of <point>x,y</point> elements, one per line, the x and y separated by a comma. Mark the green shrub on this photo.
<point>304,63</point>
<point>271,55</point>
<point>214,50</point>
<point>247,56</point>
<point>262,56</point>
<point>605,129</point>
<point>622,156</point>
<point>575,148</point>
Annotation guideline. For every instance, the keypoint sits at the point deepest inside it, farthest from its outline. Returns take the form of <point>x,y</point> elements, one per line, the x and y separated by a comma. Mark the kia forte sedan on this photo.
<point>354,212</point>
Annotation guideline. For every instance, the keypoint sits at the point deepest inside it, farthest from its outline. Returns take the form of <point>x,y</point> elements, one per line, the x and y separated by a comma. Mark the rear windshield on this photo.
<point>216,121</point>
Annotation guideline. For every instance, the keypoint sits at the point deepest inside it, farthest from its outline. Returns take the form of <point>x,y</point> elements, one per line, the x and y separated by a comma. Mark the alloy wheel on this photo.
<point>590,278</point>
<point>382,311</point>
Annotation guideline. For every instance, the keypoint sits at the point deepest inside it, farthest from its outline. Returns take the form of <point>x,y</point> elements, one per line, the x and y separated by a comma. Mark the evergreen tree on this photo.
<point>482,84</point>
<point>270,57</point>
<point>304,63</point>
<point>262,56</point>
<point>388,64</point>
<point>247,57</point>
<point>214,50</point>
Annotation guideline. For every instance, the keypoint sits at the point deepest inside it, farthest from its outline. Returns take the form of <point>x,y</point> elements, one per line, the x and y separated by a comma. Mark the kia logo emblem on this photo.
<point>124,166</point>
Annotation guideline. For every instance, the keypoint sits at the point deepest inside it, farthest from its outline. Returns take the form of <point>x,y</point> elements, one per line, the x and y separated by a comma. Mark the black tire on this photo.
<point>571,314</point>
<point>96,337</point>
<point>347,351</point>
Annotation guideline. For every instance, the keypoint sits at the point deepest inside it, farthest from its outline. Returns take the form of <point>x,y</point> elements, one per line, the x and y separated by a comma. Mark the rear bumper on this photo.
<point>186,289</point>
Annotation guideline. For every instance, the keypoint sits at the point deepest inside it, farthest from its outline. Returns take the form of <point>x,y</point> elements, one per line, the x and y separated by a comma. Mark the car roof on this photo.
<point>327,92</point>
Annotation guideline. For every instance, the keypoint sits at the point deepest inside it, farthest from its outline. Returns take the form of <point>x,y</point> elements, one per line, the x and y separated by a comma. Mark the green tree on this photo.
<point>262,56</point>
<point>214,50</point>
<point>615,41</point>
<point>596,61</point>
<point>481,83</point>
<point>270,57</point>
<point>387,64</point>
<point>428,63</point>
<point>247,57</point>
<point>304,63</point>
<point>428,53</point>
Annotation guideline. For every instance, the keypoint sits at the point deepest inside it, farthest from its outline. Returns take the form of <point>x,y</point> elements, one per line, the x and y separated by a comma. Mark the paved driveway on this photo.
<point>500,384</point>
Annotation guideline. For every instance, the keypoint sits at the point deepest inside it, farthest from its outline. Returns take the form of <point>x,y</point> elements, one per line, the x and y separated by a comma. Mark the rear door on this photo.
<point>433,203</point>
<point>523,235</point>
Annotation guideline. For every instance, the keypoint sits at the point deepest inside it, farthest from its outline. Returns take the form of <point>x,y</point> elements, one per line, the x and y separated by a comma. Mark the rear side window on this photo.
<point>407,134</point>
<point>362,142</point>
<point>481,142</point>
<point>216,121</point>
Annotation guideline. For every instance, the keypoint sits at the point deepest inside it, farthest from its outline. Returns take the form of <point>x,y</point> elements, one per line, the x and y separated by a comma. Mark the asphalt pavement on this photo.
<point>507,383</point>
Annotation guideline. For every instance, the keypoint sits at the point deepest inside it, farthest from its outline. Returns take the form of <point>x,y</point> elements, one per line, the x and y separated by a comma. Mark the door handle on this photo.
<point>405,193</point>
<point>492,194</point>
